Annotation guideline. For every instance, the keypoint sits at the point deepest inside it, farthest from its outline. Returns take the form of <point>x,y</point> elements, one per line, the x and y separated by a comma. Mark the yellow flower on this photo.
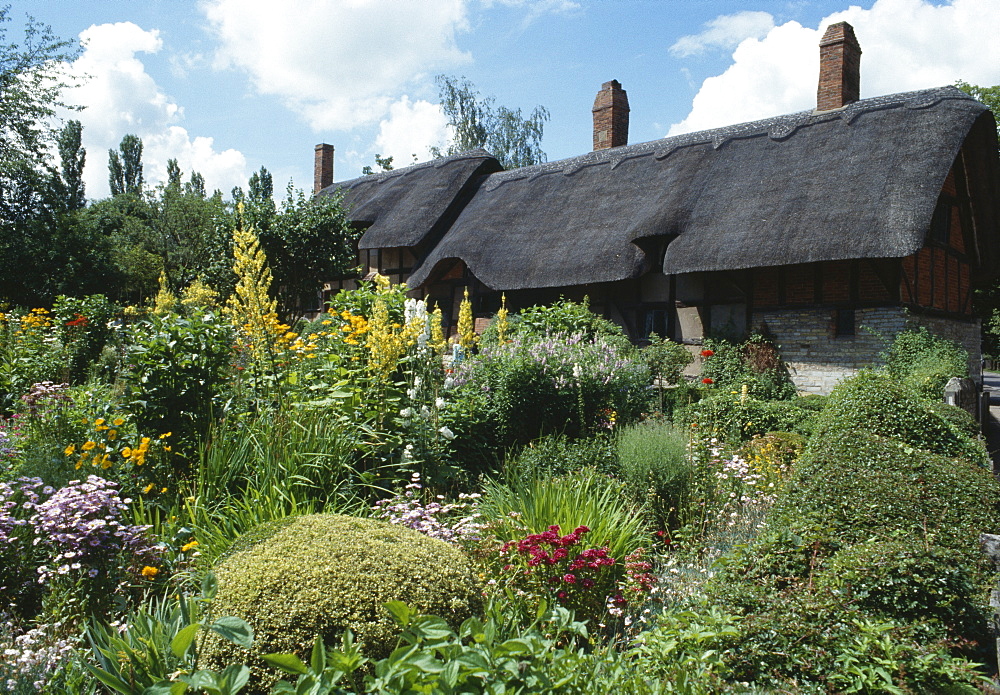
<point>146,489</point>
<point>112,435</point>
<point>149,572</point>
<point>189,546</point>
<point>89,445</point>
<point>327,322</point>
<point>70,450</point>
<point>163,490</point>
<point>162,436</point>
<point>99,421</point>
<point>118,422</point>
<point>127,452</point>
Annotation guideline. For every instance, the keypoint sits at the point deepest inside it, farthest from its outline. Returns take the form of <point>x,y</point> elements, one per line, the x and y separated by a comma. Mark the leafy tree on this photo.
<point>383,163</point>
<point>988,95</point>
<point>73,157</point>
<point>32,79</point>
<point>125,169</point>
<point>510,137</point>
<point>310,240</point>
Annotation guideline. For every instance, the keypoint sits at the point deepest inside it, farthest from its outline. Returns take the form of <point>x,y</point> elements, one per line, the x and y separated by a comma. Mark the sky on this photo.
<point>228,86</point>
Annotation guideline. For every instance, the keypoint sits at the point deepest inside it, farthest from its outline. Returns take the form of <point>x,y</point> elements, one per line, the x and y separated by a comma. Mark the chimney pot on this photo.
<point>322,167</point>
<point>610,116</point>
<point>839,68</point>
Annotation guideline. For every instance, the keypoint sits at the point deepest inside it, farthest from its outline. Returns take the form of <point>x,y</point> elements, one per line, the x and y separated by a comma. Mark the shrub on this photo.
<point>322,574</point>
<point>560,455</point>
<point>737,419</point>
<point>178,368</point>
<point>857,486</point>
<point>558,384</point>
<point>874,403</point>
<point>562,317</point>
<point>653,464</point>
<point>909,580</point>
<point>754,364</point>
<point>924,362</point>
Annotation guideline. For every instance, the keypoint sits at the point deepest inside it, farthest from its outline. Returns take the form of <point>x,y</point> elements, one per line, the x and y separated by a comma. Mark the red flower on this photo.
<point>707,353</point>
<point>708,380</point>
<point>80,321</point>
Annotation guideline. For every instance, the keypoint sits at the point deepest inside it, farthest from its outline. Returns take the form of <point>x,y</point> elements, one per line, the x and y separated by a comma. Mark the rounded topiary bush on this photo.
<point>875,403</point>
<point>856,486</point>
<point>910,580</point>
<point>321,574</point>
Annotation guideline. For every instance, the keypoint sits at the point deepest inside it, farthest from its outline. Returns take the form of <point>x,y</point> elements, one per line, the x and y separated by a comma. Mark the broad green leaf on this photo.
<point>234,629</point>
<point>183,639</point>
<point>400,612</point>
<point>235,676</point>
<point>209,586</point>
<point>318,657</point>
<point>289,663</point>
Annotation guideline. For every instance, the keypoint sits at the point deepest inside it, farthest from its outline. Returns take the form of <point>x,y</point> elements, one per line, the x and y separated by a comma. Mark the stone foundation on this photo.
<point>817,358</point>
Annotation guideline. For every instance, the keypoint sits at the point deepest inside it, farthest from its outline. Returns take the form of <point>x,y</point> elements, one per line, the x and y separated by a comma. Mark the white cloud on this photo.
<point>121,97</point>
<point>338,63</point>
<point>725,31</point>
<point>906,45</point>
<point>412,128</point>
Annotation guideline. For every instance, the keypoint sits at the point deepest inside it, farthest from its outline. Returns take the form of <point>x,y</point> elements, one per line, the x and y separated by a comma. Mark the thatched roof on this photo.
<point>403,207</point>
<point>859,182</point>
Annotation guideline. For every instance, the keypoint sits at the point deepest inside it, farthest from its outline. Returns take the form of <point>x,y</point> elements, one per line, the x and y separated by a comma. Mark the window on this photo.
<point>844,323</point>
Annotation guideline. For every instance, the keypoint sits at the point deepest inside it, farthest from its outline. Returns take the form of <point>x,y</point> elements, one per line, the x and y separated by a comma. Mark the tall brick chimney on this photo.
<point>610,116</point>
<point>322,167</point>
<point>839,68</point>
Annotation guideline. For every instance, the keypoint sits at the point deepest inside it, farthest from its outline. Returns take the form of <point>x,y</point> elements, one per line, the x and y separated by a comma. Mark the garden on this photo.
<point>198,497</point>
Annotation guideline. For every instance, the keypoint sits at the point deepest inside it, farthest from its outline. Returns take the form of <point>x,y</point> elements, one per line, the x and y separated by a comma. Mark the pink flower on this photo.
<point>569,578</point>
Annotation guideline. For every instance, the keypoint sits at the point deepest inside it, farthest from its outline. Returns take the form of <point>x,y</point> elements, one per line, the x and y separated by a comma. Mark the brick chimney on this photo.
<point>322,167</point>
<point>839,68</point>
<point>610,116</point>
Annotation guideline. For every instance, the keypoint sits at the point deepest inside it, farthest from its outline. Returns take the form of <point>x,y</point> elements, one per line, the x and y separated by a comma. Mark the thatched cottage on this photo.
<point>872,213</point>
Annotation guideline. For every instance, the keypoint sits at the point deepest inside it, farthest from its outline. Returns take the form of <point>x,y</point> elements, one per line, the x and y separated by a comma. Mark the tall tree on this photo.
<point>125,166</point>
<point>73,157</point>
<point>510,137</point>
<point>33,78</point>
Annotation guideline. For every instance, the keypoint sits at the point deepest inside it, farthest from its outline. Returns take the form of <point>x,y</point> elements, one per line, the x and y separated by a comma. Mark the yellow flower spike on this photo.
<point>70,450</point>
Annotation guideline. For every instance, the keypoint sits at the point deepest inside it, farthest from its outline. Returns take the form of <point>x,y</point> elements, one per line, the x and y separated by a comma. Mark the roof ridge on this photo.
<point>776,127</point>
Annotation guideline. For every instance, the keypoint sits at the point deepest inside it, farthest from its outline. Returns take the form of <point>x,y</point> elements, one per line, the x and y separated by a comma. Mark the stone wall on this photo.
<point>817,358</point>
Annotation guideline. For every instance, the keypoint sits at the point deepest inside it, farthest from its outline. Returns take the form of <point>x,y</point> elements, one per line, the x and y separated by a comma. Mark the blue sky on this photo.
<point>228,86</point>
